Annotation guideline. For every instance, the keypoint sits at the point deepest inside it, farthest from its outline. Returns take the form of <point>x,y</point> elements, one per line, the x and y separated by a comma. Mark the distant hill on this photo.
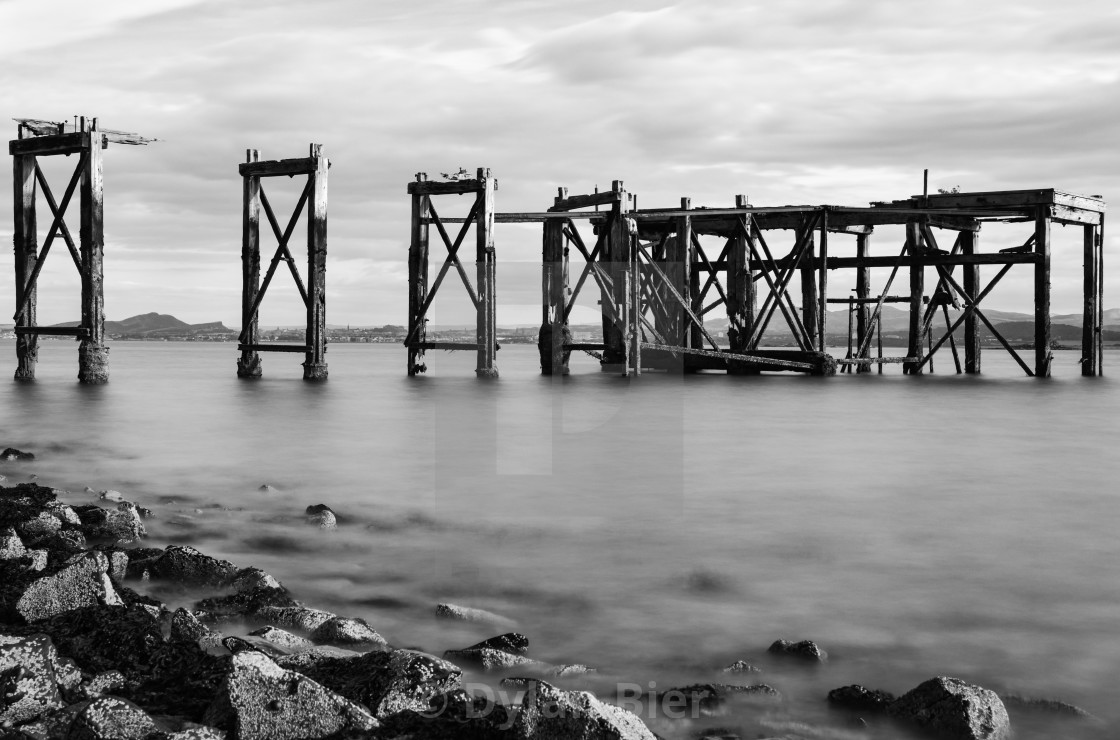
<point>156,326</point>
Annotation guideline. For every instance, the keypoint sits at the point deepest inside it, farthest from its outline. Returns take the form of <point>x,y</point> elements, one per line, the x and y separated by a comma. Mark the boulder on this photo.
<point>182,680</point>
<point>237,645</point>
<point>248,579</point>
<point>39,525</point>
<point>321,516</point>
<point>548,713</point>
<point>11,546</point>
<point>259,700</point>
<point>386,682</point>
<point>28,682</point>
<point>298,617</point>
<point>570,669</point>
<point>1052,707</point>
<point>111,718</point>
<point>11,453</point>
<point>455,715</point>
<point>108,682</point>
<point>121,524</point>
<point>806,650</point>
<point>82,581</point>
<point>52,725</point>
<point>189,567</point>
<point>860,698</point>
<point>955,709</point>
<point>111,495</point>
<point>469,614</point>
<point>347,632</point>
<point>106,638</point>
<point>710,699</point>
<point>186,626</point>
<point>247,602</point>
<point>306,660</point>
<point>741,666</point>
<point>489,659</point>
<point>510,642</point>
<point>282,638</point>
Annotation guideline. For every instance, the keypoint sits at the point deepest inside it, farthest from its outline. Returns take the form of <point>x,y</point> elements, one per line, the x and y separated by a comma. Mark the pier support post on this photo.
<point>917,291</point>
<point>1091,346</point>
<point>809,299</point>
<point>486,323</point>
<point>315,364</point>
<point>741,294</point>
<point>25,242</point>
<point>1042,354</point>
<point>972,350</point>
<point>617,259</point>
<point>863,295</point>
<point>554,291</point>
<point>418,277</point>
<point>678,265</point>
<point>93,355</point>
<point>249,363</point>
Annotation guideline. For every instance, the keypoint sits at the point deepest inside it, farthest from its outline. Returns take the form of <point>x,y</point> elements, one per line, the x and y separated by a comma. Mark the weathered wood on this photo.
<point>742,297</point>
<point>93,355</point>
<point>1067,215</point>
<point>779,289</point>
<point>616,256</point>
<point>486,324</point>
<point>278,167</point>
<point>1090,327</point>
<point>269,347</point>
<point>863,297</point>
<point>1002,199</point>
<point>1042,354</point>
<point>25,238</point>
<point>53,331</point>
<point>880,360</point>
<point>952,342</point>
<point>38,146</point>
<point>281,249</point>
<point>249,363</point>
<point>554,289</point>
<point>822,286</point>
<point>917,291</point>
<point>315,363</point>
<point>809,298</point>
<point>757,359</point>
<point>470,346</point>
<point>972,349</point>
<point>607,197</point>
<point>418,281</point>
<point>452,187</point>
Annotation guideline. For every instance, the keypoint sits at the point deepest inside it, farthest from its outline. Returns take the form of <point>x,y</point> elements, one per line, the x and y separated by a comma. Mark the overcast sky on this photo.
<point>789,101</point>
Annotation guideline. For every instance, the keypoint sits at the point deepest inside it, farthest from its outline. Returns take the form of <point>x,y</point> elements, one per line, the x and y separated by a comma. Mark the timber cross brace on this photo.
<point>313,198</point>
<point>420,296</point>
<point>35,139</point>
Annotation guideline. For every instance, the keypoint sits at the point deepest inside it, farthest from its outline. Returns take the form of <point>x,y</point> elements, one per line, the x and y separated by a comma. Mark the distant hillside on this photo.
<point>157,326</point>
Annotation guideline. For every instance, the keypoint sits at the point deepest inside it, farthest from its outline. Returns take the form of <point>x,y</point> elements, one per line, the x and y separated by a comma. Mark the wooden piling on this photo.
<point>822,289</point>
<point>554,288</point>
<point>741,293</point>
<point>249,363</point>
<point>315,364</point>
<point>1042,354</point>
<point>486,323</point>
<point>809,299</point>
<point>863,296</point>
<point>972,351</point>
<point>917,290</point>
<point>616,258</point>
<point>1091,340</point>
<point>93,355</point>
<point>25,242</point>
<point>418,277</point>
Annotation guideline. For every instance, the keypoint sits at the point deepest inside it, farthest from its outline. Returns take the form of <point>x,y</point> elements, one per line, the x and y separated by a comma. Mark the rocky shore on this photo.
<point>89,652</point>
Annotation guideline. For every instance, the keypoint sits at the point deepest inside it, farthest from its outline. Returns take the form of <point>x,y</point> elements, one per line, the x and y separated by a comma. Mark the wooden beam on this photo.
<point>417,280</point>
<point>93,355</point>
<point>40,146</point>
<point>486,323</point>
<point>249,363</point>
<point>1042,354</point>
<point>1067,215</point>
<point>616,256</point>
<point>1090,326</point>
<point>742,297</point>
<point>267,347</point>
<point>52,331</point>
<point>972,348</point>
<point>278,167</point>
<point>554,292</point>
<point>315,362</point>
<point>809,300</point>
<point>572,202</point>
<point>917,290</point>
<point>863,298</point>
<point>452,187</point>
<point>25,240</point>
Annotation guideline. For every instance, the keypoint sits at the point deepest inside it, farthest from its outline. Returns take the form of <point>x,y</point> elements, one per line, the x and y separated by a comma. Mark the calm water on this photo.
<point>658,529</point>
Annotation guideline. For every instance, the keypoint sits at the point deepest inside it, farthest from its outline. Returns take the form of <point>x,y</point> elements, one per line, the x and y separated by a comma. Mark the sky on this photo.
<point>790,102</point>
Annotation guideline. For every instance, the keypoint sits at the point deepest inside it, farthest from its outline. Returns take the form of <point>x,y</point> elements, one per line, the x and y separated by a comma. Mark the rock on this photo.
<point>11,453</point>
<point>122,524</point>
<point>141,560</point>
<point>248,579</point>
<point>28,682</point>
<point>266,488</point>
<point>11,546</point>
<point>386,682</point>
<point>111,718</point>
<point>83,581</point>
<point>52,725</point>
<point>321,516</point>
<point>741,666</point>
<point>282,638</point>
<point>345,631</point>
<point>489,659</point>
<point>108,682</point>
<point>469,614</point>
<point>110,495</point>
<point>306,660</point>
<point>454,715</point>
<point>806,650</point>
<point>860,698</point>
<point>201,732</point>
<point>299,617</point>
<point>189,567</point>
<point>547,713</point>
<point>106,638</point>
<point>248,602</point>
<point>181,680</point>
<point>570,669</point>
<point>186,626</point>
<point>510,642</point>
<point>41,524</point>
<point>1016,703</point>
<point>710,699</point>
<point>261,700</point>
<point>237,645</point>
<point>955,709</point>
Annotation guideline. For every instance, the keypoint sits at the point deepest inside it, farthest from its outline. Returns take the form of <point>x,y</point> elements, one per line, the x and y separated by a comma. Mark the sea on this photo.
<point>656,528</point>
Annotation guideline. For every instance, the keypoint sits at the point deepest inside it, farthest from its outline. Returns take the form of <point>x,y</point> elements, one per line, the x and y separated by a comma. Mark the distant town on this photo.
<point>1018,328</point>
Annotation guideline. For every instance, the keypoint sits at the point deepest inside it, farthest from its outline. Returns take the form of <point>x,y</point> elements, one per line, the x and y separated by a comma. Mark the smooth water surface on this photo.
<point>656,528</point>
